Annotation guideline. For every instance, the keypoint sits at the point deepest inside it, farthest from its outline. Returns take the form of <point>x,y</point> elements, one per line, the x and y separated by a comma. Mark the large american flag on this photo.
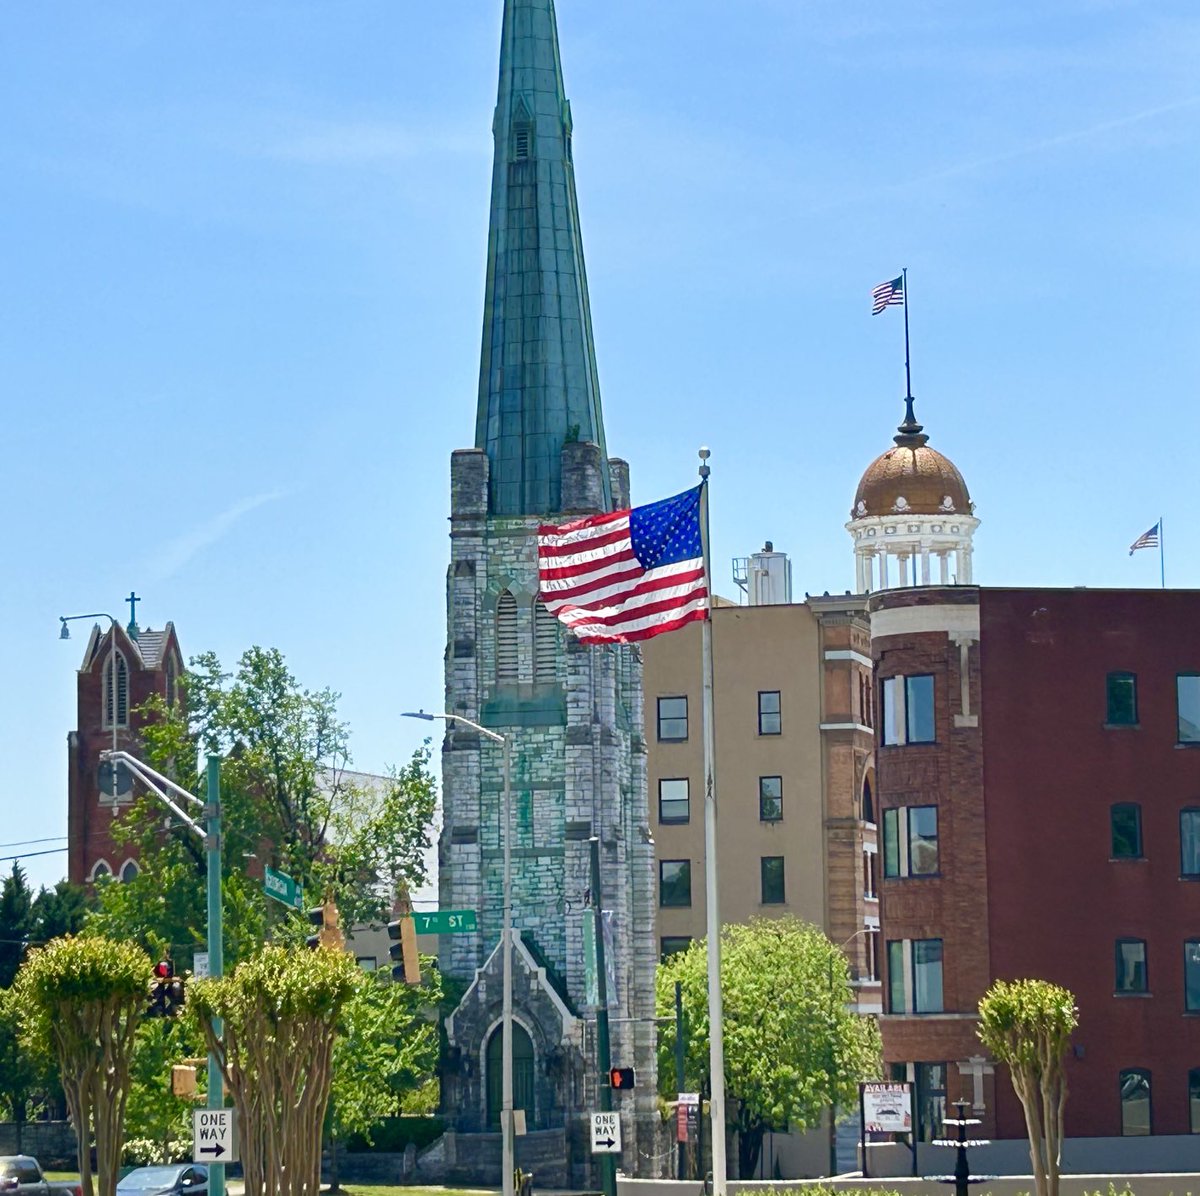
<point>626,575</point>
<point>1145,540</point>
<point>886,294</point>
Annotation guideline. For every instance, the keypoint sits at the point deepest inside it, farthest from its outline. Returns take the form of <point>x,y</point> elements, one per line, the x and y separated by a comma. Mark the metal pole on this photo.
<point>716,1035</point>
<point>508,1149</point>
<point>608,1164</point>
<point>216,946</point>
<point>907,367</point>
<point>1162,560</point>
<point>679,1075</point>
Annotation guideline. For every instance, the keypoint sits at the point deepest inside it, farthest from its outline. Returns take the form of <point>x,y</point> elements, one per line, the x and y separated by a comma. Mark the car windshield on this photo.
<point>150,1177</point>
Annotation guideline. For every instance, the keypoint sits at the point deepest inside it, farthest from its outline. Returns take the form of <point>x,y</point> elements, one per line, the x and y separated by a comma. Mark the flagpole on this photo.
<point>716,1024</point>
<point>1162,565</point>
<point>907,366</point>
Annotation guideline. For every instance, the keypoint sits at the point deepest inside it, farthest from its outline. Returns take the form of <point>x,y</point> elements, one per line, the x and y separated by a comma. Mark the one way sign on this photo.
<point>606,1133</point>
<point>213,1137</point>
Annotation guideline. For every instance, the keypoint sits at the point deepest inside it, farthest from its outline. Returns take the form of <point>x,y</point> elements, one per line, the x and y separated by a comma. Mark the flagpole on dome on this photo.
<point>716,1020</point>
<point>907,365</point>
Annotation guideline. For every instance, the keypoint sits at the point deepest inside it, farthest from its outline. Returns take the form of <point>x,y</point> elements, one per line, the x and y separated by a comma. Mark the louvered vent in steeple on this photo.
<point>506,639</point>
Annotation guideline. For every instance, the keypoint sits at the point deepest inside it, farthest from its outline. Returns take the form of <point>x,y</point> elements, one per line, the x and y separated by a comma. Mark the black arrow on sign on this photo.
<point>216,1149</point>
<point>605,1141</point>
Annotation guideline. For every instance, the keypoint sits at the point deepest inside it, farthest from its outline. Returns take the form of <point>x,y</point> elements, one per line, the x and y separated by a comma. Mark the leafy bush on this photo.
<point>145,1152</point>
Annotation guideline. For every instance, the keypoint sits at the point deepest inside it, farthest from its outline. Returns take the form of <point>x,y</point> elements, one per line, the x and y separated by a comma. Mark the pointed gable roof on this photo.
<point>538,385</point>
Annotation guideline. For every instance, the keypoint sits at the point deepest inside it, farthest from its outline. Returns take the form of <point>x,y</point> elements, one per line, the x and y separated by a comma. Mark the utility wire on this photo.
<point>29,854</point>
<point>27,842</point>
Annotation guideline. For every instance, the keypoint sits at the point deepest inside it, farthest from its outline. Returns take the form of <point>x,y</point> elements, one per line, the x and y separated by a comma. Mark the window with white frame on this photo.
<point>910,841</point>
<point>673,800</point>
<point>908,714</point>
<point>915,975</point>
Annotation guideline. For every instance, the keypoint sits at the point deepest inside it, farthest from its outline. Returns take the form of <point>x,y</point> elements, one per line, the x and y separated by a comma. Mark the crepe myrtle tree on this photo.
<point>283,1011</point>
<point>82,999</point>
<point>1027,1024</point>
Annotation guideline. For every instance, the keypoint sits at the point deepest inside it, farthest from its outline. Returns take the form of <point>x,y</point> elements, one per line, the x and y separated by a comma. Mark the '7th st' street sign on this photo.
<point>446,921</point>
<point>283,888</point>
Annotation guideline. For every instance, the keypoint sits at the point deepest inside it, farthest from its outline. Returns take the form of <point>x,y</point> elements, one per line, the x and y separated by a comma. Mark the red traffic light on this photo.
<point>621,1077</point>
<point>163,970</point>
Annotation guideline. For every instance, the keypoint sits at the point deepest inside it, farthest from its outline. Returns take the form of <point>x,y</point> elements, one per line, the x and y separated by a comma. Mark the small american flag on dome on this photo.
<point>1145,540</point>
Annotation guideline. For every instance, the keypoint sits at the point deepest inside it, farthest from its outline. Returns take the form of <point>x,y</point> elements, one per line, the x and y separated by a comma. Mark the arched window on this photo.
<point>506,638</point>
<point>545,643</point>
<point>522,1051</point>
<point>868,804</point>
<point>129,871</point>
<point>1136,1118</point>
<point>100,869</point>
<point>121,691</point>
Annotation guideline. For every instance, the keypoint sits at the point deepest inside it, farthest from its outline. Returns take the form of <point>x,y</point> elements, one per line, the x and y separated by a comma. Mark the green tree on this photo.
<point>1027,1024</point>
<point>16,923</point>
<point>81,999</point>
<point>22,1073</point>
<point>793,1047</point>
<point>282,1011</point>
<point>59,911</point>
<point>388,1051</point>
<point>154,1115</point>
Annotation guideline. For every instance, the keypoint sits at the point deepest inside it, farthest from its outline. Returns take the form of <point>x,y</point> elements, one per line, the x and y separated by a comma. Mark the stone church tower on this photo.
<point>574,712</point>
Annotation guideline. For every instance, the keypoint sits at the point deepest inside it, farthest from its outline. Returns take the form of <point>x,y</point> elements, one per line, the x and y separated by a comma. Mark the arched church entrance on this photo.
<point>522,1074</point>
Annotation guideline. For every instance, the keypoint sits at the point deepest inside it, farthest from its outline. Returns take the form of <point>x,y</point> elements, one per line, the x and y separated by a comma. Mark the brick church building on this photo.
<point>121,668</point>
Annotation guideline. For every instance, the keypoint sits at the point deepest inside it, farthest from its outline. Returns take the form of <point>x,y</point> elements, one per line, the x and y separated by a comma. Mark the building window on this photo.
<point>522,1073</point>
<point>506,638</point>
<point>931,1101</point>
<point>872,941</point>
<point>673,801</point>
<point>908,709</point>
<point>1189,842</point>
<point>910,841</point>
<point>1194,1099</point>
<point>868,803</point>
<point>100,869</point>
<point>672,719</point>
<point>129,871</point>
<point>927,975</point>
<point>1191,975</point>
<point>521,142</point>
<point>770,799</point>
<point>915,975</point>
<point>870,887</point>
<point>771,870</point>
<point>1125,819</point>
<point>674,883</point>
<point>545,643</point>
<point>1135,1101</point>
<point>673,944</point>
<point>122,691</point>
<point>1187,696</point>
<point>770,719</point>
<point>1131,966</point>
<point>1122,700</point>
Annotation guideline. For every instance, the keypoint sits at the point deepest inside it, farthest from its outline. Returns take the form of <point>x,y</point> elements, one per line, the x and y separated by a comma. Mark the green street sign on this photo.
<point>283,888</point>
<point>446,921</point>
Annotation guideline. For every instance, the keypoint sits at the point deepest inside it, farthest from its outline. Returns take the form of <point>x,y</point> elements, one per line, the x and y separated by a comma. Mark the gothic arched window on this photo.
<point>868,805</point>
<point>506,638</point>
<point>100,869</point>
<point>129,871</point>
<point>545,643</point>
<point>120,691</point>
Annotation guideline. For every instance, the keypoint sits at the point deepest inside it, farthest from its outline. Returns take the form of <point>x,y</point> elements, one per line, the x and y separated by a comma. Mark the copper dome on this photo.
<point>911,479</point>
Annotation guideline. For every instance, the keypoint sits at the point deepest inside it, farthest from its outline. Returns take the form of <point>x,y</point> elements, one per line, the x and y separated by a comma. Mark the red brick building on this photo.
<point>146,662</point>
<point>1038,778</point>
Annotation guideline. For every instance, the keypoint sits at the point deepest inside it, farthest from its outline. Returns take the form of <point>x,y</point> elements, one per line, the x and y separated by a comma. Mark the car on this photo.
<point>21,1175</point>
<point>181,1179</point>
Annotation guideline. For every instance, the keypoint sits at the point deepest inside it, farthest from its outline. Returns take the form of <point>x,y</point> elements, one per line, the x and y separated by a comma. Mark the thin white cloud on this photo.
<point>178,552</point>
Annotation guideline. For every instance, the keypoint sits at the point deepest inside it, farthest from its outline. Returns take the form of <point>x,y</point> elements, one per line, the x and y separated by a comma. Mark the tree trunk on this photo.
<point>750,1140</point>
<point>335,1184</point>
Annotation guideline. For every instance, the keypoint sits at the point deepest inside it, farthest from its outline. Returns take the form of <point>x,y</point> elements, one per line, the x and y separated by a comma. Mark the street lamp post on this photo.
<point>65,634</point>
<point>507,1144</point>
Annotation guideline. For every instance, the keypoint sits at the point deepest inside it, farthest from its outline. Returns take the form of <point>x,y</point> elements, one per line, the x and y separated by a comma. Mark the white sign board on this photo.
<point>606,1133</point>
<point>887,1108</point>
<point>200,965</point>
<point>213,1137</point>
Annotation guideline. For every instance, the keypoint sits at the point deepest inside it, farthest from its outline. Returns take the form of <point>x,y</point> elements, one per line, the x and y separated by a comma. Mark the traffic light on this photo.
<point>167,996</point>
<point>406,966</point>
<point>621,1077</point>
<point>330,933</point>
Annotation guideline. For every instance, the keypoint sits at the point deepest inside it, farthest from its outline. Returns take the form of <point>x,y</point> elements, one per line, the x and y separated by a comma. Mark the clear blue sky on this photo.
<point>242,279</point>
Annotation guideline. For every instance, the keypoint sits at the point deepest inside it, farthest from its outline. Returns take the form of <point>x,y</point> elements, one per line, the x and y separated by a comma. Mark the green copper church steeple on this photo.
<point>538,385</point>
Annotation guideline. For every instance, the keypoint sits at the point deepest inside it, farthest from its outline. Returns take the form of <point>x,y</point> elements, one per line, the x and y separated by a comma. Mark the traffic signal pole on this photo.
<point>608,1164</point>
<point>216,946</point>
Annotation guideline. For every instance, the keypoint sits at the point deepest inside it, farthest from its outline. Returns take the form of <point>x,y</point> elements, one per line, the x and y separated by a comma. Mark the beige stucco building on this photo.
<point>794,772</point>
